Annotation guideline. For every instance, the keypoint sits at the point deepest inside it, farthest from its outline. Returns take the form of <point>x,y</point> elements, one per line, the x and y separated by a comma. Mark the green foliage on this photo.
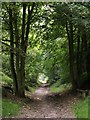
<point>0,105</point>
<point>48,47</point>
<point>6,63</point>
<point>10,108</point>
<point>58,87</point>
<point>83,78</point>
<point>81,108</point>
<point>32,89</point>
<point>33,66</point>
<point>77,14</point>
<point>6,79</point>
<point>56,60</point>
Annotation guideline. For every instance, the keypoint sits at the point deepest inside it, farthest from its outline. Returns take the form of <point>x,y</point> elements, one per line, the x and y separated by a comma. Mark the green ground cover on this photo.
<point>58,87</point>
<point>10,108</point>
<point>0,107</point>
<point>81,109</point>
<point>32,89</point>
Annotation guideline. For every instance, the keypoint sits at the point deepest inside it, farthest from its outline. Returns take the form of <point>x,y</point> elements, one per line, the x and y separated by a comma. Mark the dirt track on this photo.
<point>44,104</point>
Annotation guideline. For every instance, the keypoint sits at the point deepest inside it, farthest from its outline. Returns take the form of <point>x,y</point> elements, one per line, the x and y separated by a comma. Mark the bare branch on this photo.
<point>6,44</point>
<point>6,40</point>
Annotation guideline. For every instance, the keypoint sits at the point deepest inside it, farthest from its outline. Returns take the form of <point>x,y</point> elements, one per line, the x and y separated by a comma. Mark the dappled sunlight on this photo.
<point>42,78</point>
<point>45,55</point>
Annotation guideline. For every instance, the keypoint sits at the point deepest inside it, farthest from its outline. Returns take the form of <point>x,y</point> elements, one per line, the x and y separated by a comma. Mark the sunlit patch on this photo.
<point>42,78</point>
<point>38,98</point>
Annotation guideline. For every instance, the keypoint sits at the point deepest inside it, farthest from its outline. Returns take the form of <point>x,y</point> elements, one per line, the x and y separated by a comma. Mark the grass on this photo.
<point>57,88</point>
<point>0,107</point>
<point>10,108</point>
<point>81,109</point>
<point>32,89</point>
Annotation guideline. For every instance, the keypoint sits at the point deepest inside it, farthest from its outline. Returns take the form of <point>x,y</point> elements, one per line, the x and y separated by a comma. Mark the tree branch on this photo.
<point>6,40</point>
<point>6,44</point>
<point>28,24</point>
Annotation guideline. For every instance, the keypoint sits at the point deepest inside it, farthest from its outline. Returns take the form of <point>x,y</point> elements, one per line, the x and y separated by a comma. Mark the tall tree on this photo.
<point>12,49</point>
<point>19,41</point>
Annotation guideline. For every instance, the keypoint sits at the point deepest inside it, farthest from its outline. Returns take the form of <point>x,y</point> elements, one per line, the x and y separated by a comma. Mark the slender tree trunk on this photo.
<point>84,50</point>
<point>71,51</point>
<point>17,41</point>
<point>88,67</point>
<point>71,55</point>
<point>12,51</point>
<point>84,60</point>
<point>21,80</point>
<point>78,59</point>
<point>28,24</point>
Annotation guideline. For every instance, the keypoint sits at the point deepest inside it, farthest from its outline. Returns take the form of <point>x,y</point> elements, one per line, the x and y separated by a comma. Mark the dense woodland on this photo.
<point>51,38</point>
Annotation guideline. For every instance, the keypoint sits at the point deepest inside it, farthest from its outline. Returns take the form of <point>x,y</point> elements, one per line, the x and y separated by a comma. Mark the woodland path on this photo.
<point>44,104</point>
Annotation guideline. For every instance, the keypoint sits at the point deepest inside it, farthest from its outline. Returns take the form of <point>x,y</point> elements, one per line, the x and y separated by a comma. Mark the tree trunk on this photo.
<point>28,24</point>
<point>12,51</point>
<point>78,59</point>
<point>71,51</point>
<point>71,55</point>
<point>21,77</point>
<point>17,41</point>
<point>18,74</point>
<point>24,42</point>
<point>88,67</point>
<point>83,60</point>
<point>83,51</point>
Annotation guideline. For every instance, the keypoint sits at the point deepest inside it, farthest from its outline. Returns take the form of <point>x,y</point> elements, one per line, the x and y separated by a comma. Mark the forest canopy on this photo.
<point>47,38</point>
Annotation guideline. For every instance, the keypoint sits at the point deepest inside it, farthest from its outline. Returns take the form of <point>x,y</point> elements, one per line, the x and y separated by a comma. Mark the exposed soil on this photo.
<point>44,104</point>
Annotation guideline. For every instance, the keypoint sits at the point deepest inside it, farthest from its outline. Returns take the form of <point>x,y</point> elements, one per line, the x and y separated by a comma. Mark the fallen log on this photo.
<point>83,93</point>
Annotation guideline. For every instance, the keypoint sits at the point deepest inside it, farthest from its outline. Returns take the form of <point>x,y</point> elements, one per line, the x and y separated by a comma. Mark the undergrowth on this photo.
<point>10,108</point>
<point>81,109</point>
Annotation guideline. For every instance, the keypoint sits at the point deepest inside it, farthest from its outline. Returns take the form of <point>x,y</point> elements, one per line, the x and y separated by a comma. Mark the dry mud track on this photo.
<point>44,104</point>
